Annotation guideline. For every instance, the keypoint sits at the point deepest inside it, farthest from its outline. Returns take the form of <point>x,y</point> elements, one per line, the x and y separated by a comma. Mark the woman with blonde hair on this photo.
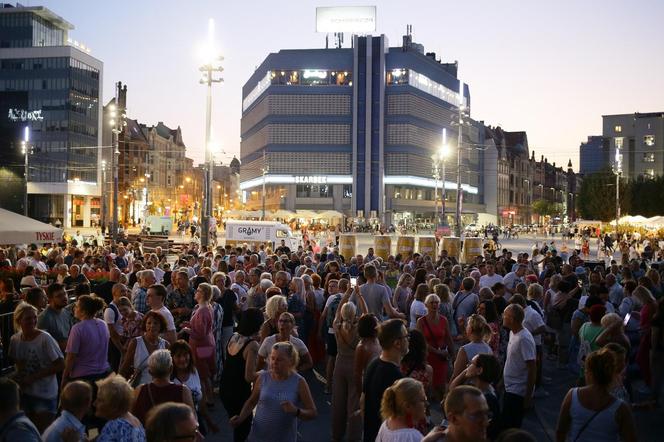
<point>274,307</point>
<point>37,358</point>
<point>115,398</point>
<point>439,345</point>
<point>478,333</point>
<point>403,404</point>
<point>445,308</point>
<point>345,395</point>
<point>280,396</point>
<point>402,292</point>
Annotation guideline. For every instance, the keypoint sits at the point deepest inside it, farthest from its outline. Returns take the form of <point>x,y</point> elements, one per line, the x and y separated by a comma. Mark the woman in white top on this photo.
<point>417,308</point>
<point>185,373</point>
<point>403,404</point>
<point>135,362</point>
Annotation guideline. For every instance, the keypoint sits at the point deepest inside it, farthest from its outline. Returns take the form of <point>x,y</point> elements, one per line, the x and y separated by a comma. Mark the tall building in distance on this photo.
<point>50,93</point>
<point>639,139</point>
<point>353,130</point>
<point>594,155</point>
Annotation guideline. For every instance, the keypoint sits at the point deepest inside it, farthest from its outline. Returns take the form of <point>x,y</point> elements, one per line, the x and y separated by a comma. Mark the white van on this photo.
<point>263,232</point>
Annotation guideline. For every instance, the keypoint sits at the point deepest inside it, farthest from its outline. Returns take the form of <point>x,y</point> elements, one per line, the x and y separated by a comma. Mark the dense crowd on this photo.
<point>118,344</point>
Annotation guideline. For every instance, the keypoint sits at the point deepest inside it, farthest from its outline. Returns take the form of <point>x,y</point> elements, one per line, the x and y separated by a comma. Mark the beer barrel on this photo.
<point>406,247</point>
<point>453,246</point>
<point>427,245</point>
<point>472,247</point>
<point>347,246</point>
<point>382,246</point>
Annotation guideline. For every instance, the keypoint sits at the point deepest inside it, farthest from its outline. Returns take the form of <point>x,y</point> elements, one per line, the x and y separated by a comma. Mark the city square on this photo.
<point>234,222</point>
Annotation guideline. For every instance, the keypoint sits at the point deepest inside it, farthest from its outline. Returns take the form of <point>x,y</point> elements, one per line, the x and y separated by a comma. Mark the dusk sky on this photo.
<point>549,68</point>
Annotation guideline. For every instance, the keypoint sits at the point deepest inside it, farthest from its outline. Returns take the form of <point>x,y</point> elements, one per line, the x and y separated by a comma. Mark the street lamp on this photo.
<point>439,159</point>
<point>212,65</point>
<point>27,150</point>
<point>462,114</point>
<point>117,121</point>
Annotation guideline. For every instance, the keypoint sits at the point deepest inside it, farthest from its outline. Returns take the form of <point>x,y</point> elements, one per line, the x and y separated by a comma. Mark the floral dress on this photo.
<point>120,430</point>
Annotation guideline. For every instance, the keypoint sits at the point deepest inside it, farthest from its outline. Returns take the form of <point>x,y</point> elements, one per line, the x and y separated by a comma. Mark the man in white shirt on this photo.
<point>512,279</point>
<point>491,277</point>
<point>156,296</point>
<point>520,368</point>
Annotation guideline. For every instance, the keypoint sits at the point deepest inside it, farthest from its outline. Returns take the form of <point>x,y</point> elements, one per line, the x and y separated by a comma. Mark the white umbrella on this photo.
<point>19,229</point>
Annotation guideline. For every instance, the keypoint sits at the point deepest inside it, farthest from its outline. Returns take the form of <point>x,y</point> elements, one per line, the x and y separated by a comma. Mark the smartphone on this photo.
<point>627,318</point>
<point>353,281</point>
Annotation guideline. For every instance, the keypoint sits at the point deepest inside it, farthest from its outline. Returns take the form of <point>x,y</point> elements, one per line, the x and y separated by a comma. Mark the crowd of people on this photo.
<point>121,344</point>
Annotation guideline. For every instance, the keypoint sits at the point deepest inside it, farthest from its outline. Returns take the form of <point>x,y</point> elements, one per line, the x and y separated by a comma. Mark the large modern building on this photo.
<point>50,91</point>
<point>639,140</point>
<point>353,130</point>
<point>594,154</point>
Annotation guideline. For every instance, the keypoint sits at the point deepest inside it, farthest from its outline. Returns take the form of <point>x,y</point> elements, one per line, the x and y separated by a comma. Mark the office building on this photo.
<point>594,155</point>
<point>636,140</point>
<point>50,90</point>
<point>353,131</point>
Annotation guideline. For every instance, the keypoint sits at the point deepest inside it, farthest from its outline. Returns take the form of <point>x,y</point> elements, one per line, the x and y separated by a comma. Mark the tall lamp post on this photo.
<point>211,66</point>
<point>27,150</point>
<point>439,166</point>
<point>117,122</point>
<point>461,122</point>
<point>618,171</point>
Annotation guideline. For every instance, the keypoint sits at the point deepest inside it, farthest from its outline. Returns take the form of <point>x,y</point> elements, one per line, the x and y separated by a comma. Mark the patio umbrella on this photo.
<point>19,229</point>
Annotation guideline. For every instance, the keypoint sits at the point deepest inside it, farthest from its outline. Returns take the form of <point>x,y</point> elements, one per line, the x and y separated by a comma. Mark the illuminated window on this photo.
<point>617,128</point>
<point>650,173</point>
<point>428,86</point>
<point>649,140</point>
<point>396,76</point>
<point>619,141</point>
<point>649,157</point>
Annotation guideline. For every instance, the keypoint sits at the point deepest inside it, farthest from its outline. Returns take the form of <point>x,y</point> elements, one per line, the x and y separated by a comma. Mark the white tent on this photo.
<point>19,229</point>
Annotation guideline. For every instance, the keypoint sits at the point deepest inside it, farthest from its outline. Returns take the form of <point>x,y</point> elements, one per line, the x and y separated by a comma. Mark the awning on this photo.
<point>19,229</point>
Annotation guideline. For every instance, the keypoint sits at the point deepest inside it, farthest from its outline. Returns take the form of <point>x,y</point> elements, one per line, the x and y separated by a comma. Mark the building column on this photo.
<point>86,211</point>
<point>66,216</point>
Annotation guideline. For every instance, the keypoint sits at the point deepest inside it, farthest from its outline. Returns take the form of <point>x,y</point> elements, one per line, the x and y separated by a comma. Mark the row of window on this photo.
<point>312,77</point>
<point>321,191</point>
<point>425,84</point>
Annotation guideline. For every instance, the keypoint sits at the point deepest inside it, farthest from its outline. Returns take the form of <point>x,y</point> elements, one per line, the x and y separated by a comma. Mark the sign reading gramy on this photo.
<point>355,19</point>
<point>24,115</point>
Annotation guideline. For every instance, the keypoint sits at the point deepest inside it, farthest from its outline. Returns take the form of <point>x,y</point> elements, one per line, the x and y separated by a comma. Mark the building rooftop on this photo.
<point>45,13</point>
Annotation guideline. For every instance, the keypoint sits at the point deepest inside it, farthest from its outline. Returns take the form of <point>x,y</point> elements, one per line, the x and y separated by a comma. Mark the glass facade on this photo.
<point>65,94</point>
<point>26,29</point>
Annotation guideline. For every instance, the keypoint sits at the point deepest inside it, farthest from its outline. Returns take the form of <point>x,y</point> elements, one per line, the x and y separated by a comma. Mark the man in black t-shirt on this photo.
<point>382,372</point>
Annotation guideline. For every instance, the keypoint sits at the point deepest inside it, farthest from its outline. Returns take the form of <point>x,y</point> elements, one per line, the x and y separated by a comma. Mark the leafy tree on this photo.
<point>597,196</point>
<point>546,208</point>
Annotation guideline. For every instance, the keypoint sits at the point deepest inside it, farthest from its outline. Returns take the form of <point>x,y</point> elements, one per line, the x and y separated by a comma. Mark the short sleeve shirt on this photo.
<point>266,346</point>
<point>89,341</point>
<point>35,355</point>
<point>168,316</point>
<point>532,321</point>
<point>375,296</point>
<point>520,349</point>
<point>56,324</point>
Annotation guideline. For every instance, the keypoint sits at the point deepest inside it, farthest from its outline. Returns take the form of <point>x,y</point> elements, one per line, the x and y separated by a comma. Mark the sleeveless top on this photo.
<point>141,356</point>
<point>150,396</point>
<point>233,383</point>
<point>475,348</point>
<point>271,422</point>
<point>601,428</point>
<point>193,382</point>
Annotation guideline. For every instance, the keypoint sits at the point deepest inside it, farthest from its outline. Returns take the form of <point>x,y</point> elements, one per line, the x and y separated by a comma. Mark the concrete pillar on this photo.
<point>86,211</point>
<point>66,216</point>
<point>337,197</point>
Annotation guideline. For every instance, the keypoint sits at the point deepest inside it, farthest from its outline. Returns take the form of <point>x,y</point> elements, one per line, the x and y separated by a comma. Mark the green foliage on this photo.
<point>597,196</point>
<point>547,208</point>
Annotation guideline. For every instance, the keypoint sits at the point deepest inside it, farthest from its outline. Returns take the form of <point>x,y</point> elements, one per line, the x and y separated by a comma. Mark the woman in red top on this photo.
<point>201,338</point>
<point>440,347</point>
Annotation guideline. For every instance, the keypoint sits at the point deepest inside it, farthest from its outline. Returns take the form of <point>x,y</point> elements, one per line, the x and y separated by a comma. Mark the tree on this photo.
<point>597,196</point>
<point>546,208</point>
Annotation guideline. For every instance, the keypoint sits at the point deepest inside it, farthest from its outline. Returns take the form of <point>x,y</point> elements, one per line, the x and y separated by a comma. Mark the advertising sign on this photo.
<point>355,19</point>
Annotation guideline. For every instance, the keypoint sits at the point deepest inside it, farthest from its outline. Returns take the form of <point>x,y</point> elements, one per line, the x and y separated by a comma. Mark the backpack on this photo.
<point>332,310</point>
